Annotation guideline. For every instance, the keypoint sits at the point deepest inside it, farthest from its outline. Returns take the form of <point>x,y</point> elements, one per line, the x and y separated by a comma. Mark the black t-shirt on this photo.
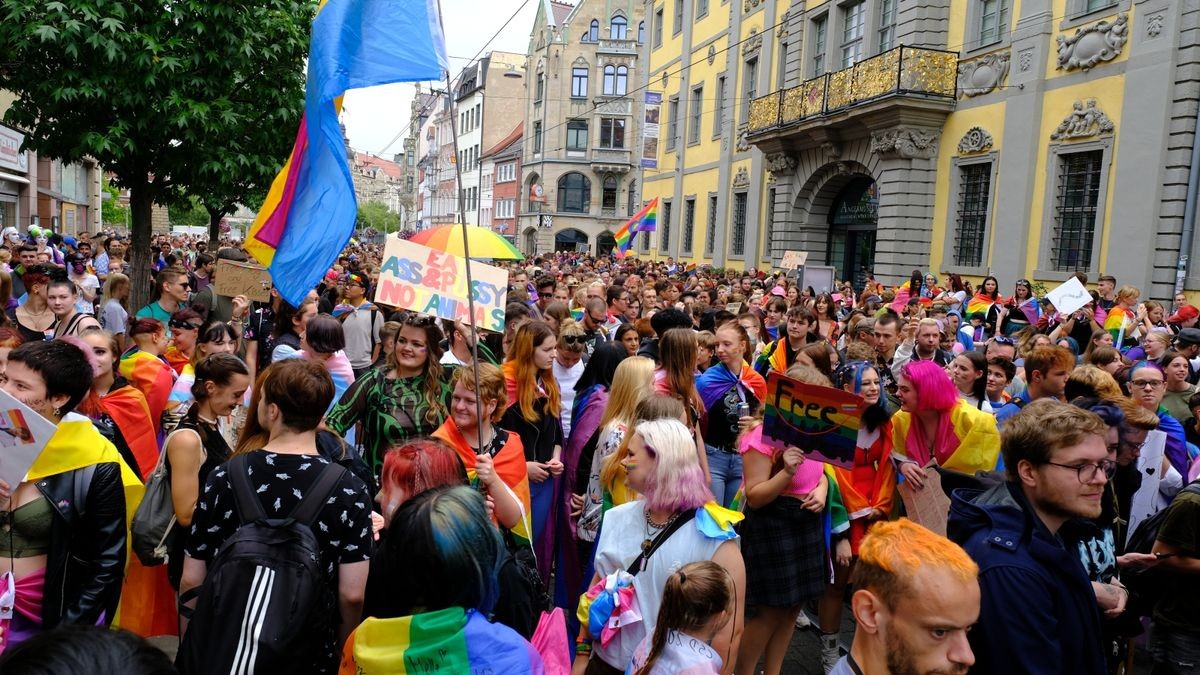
<point>1180,608</point>
<point>258,329</point>
<point>722,430</point>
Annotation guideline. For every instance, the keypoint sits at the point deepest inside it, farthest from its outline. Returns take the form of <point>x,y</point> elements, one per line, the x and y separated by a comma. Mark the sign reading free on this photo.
<point>433,282</point>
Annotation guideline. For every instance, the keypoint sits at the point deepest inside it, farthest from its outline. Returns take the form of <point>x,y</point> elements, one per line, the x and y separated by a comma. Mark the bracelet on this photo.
<point>583,648</point>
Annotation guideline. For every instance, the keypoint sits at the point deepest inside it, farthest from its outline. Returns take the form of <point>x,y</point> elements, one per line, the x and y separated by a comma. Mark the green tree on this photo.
<point>173,98</point>
<point>375,215</point>
<point>188,213</point>
<point>112,211</point>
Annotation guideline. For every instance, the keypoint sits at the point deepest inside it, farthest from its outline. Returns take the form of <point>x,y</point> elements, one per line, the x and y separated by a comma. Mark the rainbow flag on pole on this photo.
<point>645,220</point>
<point>309,212</point>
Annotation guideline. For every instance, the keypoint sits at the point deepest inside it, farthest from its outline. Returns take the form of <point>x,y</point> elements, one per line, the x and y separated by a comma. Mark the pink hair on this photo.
<point>935,390</point>
<point>85,348</point>
<point>677,482</point>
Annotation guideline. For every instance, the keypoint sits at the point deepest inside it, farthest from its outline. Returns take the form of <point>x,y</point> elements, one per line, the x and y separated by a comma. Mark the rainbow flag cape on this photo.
<point>645,220</point>
<point>979,303</point>
<point>509,464</point>
<point>445,641</point>
<point>715,382</point>
<point>310,210</point>
<point>1115,323</point>
<point>152,376</point>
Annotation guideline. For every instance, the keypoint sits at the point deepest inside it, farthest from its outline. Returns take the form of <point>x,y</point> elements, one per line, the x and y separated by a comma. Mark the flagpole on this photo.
<point>462,219</point>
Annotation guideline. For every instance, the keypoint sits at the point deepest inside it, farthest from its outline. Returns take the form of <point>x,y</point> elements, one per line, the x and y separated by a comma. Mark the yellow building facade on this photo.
<point>1020,138</point>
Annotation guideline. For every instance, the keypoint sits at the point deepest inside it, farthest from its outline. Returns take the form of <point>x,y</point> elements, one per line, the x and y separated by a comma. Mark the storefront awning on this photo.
<point>14,178</point>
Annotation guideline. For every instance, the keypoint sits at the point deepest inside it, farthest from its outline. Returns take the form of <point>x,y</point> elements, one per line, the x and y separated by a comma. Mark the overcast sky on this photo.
<point>374,116</point>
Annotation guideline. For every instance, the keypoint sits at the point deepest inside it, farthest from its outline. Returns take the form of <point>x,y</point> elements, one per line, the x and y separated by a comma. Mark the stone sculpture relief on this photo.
<point>976,139</point>
<point>980,76</point>
<point>752,43</point>
<point>712,54</point>
<point>741,179</point>
<point>1092,44</point>
<point>1154,24</point>
<point>1085,121</point>
<point>906,142</point>
<point>782,31</point>
<point>748,5</point>
<point>1025,58</point>
<point>779,162</point>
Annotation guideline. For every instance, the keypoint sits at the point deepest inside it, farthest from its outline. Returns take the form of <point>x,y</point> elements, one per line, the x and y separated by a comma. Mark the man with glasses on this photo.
<point>361,323</point>
<point>1046,371</point>
<point>1039,612</point>
<point>172,287</point>
<point>594,319</point>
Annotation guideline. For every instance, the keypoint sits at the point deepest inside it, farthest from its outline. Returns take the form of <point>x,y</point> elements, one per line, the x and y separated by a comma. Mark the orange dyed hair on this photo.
<point>520,369</point>
<point>893,552</point>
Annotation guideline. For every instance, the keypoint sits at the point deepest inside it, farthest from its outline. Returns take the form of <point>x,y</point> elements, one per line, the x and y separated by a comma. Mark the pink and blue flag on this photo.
<point>310,210</point>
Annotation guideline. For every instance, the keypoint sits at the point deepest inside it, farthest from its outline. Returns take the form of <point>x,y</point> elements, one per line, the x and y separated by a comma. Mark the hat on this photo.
<point>70,241</point>
<point>778,291</point>
<point>1188,336</point>
<point>1185,313</point>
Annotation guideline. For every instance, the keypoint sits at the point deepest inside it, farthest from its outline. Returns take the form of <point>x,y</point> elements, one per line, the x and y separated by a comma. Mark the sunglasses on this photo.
<point>573,339</point>
<point>184,325</point>
<point>1004,340</point>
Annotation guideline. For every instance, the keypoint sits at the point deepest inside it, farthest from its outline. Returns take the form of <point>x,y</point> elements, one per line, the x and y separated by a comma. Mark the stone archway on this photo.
<point>813,214</point>
<point>571,239</point>
<point>605,243</point>
<point>529,241</point>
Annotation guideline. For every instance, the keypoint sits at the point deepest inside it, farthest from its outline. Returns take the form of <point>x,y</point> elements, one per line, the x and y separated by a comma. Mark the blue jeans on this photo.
<point>1175,652</point>
<point>726,471</point>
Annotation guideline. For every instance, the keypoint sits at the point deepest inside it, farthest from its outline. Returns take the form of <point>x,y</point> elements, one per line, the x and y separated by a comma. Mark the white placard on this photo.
<point>23,435</point>
<point>793,260</point>
<point>1145,501</point>
<point>1069,296</point>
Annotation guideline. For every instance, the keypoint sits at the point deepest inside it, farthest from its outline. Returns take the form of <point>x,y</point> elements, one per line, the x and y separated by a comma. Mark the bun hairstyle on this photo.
<point>692,596</point>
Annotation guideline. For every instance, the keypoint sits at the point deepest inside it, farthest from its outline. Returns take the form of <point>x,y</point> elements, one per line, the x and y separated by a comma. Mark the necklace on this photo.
<point>653,529</point>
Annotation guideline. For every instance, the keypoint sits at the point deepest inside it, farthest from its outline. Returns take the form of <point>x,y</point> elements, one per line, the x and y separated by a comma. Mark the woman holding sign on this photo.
<point>730,390</point>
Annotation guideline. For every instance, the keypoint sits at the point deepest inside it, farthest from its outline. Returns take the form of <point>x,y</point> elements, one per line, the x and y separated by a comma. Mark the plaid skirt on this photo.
<point>783,546</point>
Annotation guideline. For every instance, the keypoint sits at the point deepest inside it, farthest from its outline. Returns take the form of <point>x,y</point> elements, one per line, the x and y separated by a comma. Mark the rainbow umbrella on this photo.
<point>483,242</point>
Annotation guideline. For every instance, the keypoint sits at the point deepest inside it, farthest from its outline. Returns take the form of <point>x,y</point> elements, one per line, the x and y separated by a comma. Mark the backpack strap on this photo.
<point>249,509</point>
<point>308,508</point>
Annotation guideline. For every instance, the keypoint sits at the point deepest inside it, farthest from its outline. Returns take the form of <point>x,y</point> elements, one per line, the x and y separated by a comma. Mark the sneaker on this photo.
<point>829,651</point>
<point>802,620</point>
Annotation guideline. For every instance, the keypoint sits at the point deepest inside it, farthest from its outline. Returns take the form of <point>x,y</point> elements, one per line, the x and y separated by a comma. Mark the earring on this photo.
<point>58,412</point>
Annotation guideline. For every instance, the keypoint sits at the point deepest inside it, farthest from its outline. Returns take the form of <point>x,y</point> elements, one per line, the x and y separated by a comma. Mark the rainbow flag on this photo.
<point>446,641</point>
<point>690,269</point>
<point>979,303</point>
<point>645,220</point>
<point>310,210</point>
<point>1116,322</point>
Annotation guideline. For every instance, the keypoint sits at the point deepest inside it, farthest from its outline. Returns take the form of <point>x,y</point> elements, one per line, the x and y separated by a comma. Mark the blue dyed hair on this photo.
<point>442,550</point>
<point>851,372</point>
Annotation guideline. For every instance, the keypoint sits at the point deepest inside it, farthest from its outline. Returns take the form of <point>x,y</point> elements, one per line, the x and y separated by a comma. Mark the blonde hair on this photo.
<point>569,327</point>
<point>1098,380</point>
<point>632,380</point>
<point>654,407</point>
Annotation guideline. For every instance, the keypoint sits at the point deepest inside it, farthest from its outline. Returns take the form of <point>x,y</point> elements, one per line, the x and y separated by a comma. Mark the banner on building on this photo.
<point>433,282</point>
<point>821,421</point>
<point>11,155</point>
<point>650,130</point>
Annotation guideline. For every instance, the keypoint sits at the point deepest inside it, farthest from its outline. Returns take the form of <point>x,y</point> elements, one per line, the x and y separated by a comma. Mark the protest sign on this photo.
<point>23,435</point>
<point>734,308</point>
<point>793,260</point>
<point>239,278</point>
<point>1069,296</point>
<point>1145,500</point>
<point>821,421</point>
<point>927,506</point>
<point>434,282</point>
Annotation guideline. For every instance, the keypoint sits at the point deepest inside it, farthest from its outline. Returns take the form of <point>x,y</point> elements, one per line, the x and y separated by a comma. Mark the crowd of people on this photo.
<point>419,491</point>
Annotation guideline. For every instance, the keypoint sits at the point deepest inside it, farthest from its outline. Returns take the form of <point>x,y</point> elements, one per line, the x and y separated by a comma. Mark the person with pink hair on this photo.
<point>935,426</point>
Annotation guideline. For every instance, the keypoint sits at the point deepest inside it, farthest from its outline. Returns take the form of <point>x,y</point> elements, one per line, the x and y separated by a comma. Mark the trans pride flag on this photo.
<point>645,220</point>
<point>309,212</point>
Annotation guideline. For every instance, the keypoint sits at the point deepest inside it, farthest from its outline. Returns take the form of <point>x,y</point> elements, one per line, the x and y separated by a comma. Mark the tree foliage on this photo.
<point>188,212</point>
<point>112,211</point>
<point>187,97</point>
<point>377,216</point>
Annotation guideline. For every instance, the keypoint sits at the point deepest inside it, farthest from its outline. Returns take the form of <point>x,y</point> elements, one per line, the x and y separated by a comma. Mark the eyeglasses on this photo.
<point>1086,473</point>
<point>1147,384</point>
<point>573,339</point>
<point>1004,340</point>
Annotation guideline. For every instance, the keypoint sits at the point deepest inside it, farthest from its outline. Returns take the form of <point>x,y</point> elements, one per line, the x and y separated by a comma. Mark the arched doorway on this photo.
<point>530,241</point>
<point>605,243</point>
<point>570,239</point>
<point>853,221</point>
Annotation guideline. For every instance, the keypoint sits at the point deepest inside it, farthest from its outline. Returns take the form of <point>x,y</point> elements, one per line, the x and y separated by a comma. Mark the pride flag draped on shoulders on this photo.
<point>645,220</point>
<point>309,212</point>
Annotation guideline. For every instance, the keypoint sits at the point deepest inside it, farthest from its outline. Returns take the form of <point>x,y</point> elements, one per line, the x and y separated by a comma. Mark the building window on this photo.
<point>689,225</point>
<point>672,122</point>
<point>853,21</point>
<point>574,193</point>
<point>819,28</point>
<point>781,72</point>
<point>579,82</point>
<point>506,172</point>
<point>1076,201</point>
<point>993,21</point>
<point>1097,5</point>
<point>658,27</point>
<point>608,198</point>
<point>622,87</point>
<point>887,25</point>
<point>710,236</point>
<point>616,80</point>
<point>737,239</point>
<point>537,137</point>
<point>719,108</point>
<point>974,194</point>
<point>612,133</point>
<point>593,34</point>
<point>577,135</point>
<point>618,28</point>
<point>769,229</point>
<point>664,237</point>
<point>702,9</point>
<point>641,32</point>
<point>540,88</point>
<point>697,114</point>
<point>632,204</point>
<point>678,17</point>
<point>749,87</point>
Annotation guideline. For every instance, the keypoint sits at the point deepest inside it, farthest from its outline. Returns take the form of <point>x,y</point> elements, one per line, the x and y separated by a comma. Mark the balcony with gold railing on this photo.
<point>908,75</point>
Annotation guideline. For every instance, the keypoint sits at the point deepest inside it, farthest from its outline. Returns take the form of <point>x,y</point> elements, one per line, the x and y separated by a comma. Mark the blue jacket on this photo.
<point>1038,612</point>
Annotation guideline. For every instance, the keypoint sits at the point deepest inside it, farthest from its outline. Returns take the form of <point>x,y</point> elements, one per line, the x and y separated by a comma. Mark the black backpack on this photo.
<point>1147,585</point>
<point>266,605</point>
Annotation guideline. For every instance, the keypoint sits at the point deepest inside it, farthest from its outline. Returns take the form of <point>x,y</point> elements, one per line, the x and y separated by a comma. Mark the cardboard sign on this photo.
<point>434,282</point>
<point>1145,501</point>
<point>793,259</point>
<point>928,506</point>
<point>23,435</point>
<point>734,308</point>
<point>1069,296</point>
<point>821,421</point>
<point>238,278</point>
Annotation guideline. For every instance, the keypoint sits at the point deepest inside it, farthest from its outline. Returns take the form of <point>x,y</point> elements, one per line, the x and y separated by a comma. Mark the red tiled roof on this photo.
<point>560,11</point>
<point>508,140</point>
<point>366,162</point>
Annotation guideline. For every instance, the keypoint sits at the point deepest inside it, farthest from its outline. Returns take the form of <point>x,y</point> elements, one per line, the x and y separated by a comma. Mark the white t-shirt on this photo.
<point>113,317</point>
<point>567,377</point>
<point>90,284</point>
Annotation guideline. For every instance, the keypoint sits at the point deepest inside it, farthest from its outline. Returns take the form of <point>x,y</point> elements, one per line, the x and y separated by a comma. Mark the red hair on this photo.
<point>421,465</point>
<point>144,326</point>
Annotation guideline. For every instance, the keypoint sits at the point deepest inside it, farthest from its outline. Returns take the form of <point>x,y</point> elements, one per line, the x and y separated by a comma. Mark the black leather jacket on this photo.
<point>86,563</point>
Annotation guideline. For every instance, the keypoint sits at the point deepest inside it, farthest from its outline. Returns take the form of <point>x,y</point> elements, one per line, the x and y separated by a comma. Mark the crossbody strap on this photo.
<point>248,507</point>
<point>640,562</point>
<point>308,508</point>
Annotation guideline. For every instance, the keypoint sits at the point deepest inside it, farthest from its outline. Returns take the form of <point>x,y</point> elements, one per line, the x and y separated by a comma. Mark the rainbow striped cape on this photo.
<point>152,376</point>
<point>509,464</point>
<point>1118,321</point>
<point>446,641</point>
<point>979,303</point>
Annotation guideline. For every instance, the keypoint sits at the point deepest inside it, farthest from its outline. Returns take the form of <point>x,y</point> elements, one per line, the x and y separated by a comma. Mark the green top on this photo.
<point>392,411</point>
<point>25,531</point>
<point>155,311</point>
